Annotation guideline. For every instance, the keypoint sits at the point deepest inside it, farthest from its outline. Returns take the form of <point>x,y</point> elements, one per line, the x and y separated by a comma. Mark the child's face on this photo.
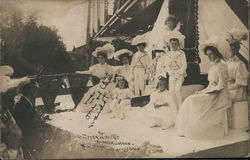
<point>141,47</point>
<point>101,59</point>
<point>174,44</point>
<point>121,84</point>
<point>125,60</point>
<point>162,85</point>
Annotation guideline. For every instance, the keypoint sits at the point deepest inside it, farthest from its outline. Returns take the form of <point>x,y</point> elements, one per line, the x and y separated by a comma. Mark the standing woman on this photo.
<point>125,70</point>
<point>237,67</point>
<point>140,64</point>
<point>203,115</point>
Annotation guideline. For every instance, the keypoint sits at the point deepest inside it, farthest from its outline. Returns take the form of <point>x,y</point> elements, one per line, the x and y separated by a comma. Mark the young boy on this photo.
<point>176,64</point>
<point>139,65</point>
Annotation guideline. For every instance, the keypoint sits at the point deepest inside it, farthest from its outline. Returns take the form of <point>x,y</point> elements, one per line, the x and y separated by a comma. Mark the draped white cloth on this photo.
<point>214,19</point>
<point>156,36</point>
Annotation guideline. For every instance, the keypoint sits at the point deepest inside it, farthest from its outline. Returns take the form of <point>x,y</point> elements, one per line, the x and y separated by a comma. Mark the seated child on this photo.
<point>161,108</point>
<point>122,99</point>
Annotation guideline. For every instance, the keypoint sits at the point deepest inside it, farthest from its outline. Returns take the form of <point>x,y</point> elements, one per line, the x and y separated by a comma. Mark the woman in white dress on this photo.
<point>203,115</point>
<point>125,70</point>
<point>101,70</point>
<point>237,69</point>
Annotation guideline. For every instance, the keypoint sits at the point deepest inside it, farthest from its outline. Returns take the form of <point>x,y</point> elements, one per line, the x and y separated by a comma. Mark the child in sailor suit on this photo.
<point>139,65</point>
<point>176,65</point>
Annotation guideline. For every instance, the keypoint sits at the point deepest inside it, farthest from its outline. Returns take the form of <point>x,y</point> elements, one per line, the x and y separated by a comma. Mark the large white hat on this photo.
<point>220,43</point>
<point>6,71</point>
<point>235,35</point>
<point>139,39</point>
<point>107,49</point>
<point>117,54</point>
<point>177,35</point>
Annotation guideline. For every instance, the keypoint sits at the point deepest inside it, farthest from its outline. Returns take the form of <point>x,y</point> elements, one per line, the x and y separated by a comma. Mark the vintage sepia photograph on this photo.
<point>84,79</point>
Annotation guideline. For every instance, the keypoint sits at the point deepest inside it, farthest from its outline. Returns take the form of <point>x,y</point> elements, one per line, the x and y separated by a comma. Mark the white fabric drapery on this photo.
<point>156,36</point>
<point>214,19</point>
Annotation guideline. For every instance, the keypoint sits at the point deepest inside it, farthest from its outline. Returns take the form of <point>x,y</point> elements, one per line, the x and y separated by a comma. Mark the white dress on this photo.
<point>90,98</point>
<point>100,70</point>
<point>156,69</point>
<point>238,73</point>
<point>121,102</point>
<point>163,117</point>
<point>203,115</point>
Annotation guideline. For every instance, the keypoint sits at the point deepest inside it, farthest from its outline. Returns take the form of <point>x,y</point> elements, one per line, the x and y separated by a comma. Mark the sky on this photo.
<point>69,17</point>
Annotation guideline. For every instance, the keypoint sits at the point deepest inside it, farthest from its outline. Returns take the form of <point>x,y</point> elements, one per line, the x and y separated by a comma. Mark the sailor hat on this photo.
<point>175,35</point>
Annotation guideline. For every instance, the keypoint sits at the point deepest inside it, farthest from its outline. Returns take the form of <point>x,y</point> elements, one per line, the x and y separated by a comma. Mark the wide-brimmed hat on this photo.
<point>118,53</point>
<point>220,43</point>
<point>235,35</point>
<point>107,49</point>
<point>139,40</point>
<point>6,71</point>
<point>175,35</point>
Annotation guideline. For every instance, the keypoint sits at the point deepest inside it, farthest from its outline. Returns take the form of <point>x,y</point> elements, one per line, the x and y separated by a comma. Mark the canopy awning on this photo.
<point>138,21</point>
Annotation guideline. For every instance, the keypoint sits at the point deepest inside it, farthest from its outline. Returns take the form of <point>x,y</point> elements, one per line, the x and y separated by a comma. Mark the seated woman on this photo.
<point>101,70</point>
<point>122,99</point>
<point>237,67</point>
<point>203,115</point>
<point>161,111</point>
<point>125,70</point>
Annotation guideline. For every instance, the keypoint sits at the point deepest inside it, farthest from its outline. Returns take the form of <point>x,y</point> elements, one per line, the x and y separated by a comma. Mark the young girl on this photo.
<point>122,99</point>
<point>161,108</point>
<point>124,70</point>
<point>176,64</point>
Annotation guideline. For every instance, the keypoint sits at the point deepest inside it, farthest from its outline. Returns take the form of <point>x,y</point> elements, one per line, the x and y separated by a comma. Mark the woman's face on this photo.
<point>125,60</point>
<point>101,59</point>
<point>234,50</point>
<point>141,47</point>
<point>211,56</point>
<point>170,25</point>
<point>121,84</point>
<point>162,85</point>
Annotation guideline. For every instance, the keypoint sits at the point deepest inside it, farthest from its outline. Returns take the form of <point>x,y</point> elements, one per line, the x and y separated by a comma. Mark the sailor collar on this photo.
<point>234,59</point>
<point>180,52</point>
